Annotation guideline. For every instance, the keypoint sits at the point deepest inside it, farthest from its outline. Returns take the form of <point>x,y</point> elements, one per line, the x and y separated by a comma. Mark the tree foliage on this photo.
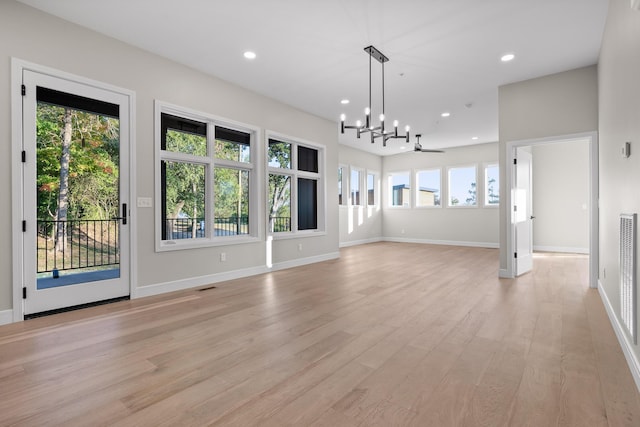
<point>93,163</point>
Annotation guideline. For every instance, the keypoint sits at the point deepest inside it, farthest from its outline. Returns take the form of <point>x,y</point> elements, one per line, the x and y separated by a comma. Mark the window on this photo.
<point>428,188</point>
<point>400,189</point>
<point>206,181</point>
<point>355,187</point>
<point>491,185</point>
<point>462,186</point>
<point>371,189</point>
<point>295,183</point>
<point>340,186</point>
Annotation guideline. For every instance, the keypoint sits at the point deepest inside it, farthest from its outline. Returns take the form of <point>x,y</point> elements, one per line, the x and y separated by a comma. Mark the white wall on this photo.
<point>474,226</point>
<point>619,121</point>
<point>561,197</point>
<point>39,38</point>
<point>359,224</point>
<point>560,104</point>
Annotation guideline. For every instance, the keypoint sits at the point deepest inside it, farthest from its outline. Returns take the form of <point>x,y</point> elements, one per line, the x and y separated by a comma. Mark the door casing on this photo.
<point>508,227</point>
<point>18,66</point>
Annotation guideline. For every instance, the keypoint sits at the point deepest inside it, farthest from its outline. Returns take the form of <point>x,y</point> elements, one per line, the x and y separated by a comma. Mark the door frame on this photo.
<point>17,212</point>
<point>511,146</point>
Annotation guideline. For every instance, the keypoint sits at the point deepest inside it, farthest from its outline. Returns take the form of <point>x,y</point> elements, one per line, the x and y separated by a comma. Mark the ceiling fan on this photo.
<point>418,147</point>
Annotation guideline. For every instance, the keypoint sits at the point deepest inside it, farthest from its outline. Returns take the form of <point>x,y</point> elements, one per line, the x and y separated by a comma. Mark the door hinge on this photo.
<point>24,156</point>
<point>23,90</point>
<point>515,161</point>
<point>24,226</point>
<point>515,208</point>
<point>515,254</point>
<point>24,292</point>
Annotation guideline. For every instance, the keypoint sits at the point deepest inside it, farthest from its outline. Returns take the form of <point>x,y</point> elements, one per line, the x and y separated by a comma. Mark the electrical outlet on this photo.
<point>223,256</point>
<point>299,247</point>
<point>402,231</point>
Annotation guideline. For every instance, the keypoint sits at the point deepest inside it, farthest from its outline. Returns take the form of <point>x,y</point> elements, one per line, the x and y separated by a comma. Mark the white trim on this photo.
<point>489,245</point>
<point>194,282</point>
<point>504,274</point>
<point>361,242</point>
<point>417,187</point>
<point>505,199</point>
<point>320,177</point>
<point>6,317</point>
<point>561,249</point>
<point>209,162</point>
<point>448,175</point>
<point>304,261</point>
<point>18,66</point>
<point>389,178</point>
<point>625,344</point>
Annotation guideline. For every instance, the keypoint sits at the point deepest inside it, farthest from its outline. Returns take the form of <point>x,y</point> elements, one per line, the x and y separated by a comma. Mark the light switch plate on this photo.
<point>145,202</point>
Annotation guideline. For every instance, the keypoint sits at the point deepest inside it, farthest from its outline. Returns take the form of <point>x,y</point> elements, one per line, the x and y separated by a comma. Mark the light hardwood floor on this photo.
<point>389,334</point>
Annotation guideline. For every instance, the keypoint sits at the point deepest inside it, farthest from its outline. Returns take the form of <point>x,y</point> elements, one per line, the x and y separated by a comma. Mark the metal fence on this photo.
<point>188,228</point>
<point>280,223</point>
<point>75,244</point>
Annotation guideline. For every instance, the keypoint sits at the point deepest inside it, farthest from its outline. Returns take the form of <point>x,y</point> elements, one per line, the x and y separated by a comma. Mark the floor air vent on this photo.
<point>628,273</point>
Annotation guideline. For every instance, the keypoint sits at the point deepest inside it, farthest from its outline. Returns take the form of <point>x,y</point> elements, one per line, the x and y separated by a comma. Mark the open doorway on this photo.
<point>566,218</point>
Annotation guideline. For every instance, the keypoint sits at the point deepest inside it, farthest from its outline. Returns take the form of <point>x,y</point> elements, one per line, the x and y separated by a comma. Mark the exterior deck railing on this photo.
<point>85,243</point>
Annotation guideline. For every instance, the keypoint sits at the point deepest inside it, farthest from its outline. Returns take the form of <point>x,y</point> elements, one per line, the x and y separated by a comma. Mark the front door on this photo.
<point>75,193</point>
<point>523,210</point>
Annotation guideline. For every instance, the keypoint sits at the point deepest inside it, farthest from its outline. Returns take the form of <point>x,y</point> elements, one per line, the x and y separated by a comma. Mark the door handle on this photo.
<point>533,217</point>
<point>122,218</point>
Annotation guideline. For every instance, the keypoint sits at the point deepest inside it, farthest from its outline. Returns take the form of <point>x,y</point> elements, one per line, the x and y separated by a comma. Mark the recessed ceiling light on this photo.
<point>250,55</point>
<point>344,101</point>
<point>507,57</point>
<point>475,138</point>
<point>445,114</point>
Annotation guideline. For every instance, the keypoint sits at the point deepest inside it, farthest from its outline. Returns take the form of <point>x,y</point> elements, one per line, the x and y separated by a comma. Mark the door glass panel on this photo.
<point>77,188</point>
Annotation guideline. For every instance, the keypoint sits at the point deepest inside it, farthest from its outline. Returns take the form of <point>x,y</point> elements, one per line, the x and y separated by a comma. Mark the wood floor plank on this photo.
<point>389,334</point>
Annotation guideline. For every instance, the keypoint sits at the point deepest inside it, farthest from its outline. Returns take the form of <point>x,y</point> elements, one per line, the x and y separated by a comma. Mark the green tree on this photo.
<point>471,200</point>
<point>78,166</point>
<point>279,186</point>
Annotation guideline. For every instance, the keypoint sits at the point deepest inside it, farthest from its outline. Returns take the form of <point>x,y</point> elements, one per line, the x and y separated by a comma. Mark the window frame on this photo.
<point>360,171</point>
<point>342,180</point>
<point>417,189</point>
<point>449,169</point>
<point>376,188</point>
<point>295,174</point>
<point>390,176</point>
<point>210,162</point>
<point>485,191</point>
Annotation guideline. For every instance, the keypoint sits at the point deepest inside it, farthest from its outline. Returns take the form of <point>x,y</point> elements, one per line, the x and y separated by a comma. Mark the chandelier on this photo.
<point>379,130</point>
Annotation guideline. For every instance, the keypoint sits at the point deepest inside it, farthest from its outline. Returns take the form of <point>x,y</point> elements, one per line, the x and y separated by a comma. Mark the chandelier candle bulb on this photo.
<point>395,128</point>
<point>342,119</point>
<point>406,129</point>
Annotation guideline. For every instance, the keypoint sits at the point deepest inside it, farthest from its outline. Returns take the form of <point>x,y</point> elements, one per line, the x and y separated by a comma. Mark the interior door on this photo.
<point>523,213</point>
<point>75,193</point>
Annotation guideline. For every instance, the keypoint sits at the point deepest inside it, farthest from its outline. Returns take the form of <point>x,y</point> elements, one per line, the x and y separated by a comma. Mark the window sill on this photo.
<point>177,245</point>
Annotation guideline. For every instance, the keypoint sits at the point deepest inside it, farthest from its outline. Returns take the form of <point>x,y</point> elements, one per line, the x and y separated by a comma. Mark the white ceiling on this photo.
<point>443,53</point>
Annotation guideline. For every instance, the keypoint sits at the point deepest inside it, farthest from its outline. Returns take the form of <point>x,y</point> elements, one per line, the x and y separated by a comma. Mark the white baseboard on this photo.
<point>304,261</point>
<point>6,317</point>
<point>623,339</point>
<point>561,249</point>
<point>361,242</point>
<point>194,282</point>
<point>504,274</point>
<point>444,242</point>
